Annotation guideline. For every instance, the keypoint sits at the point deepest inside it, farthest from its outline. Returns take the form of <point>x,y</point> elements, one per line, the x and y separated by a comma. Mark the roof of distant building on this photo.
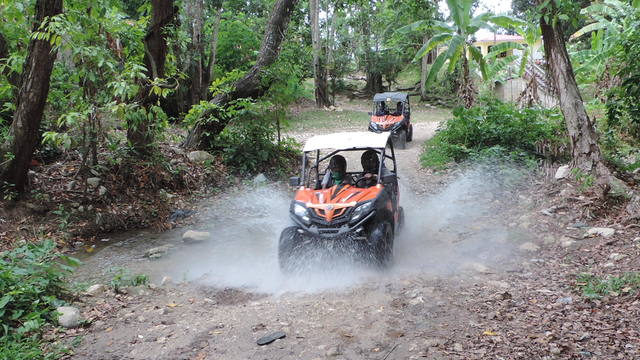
<point>498,37</point>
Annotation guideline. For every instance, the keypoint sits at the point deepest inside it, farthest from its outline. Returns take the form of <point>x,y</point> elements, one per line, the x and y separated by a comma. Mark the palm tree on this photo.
<point>456,38</point>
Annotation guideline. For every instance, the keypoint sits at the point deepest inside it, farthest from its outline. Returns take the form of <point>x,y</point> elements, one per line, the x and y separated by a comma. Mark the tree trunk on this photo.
<point>319,71</point>
<point>24,133</point>
<point>585,151</point>
<point>374,83</point>
<point>331,61</point>
<point>139,133</point>
<point>197,52</point>
<point>209,74</point>
<point>424,70</point>
<point>467,90</point>
<point>252,84</point>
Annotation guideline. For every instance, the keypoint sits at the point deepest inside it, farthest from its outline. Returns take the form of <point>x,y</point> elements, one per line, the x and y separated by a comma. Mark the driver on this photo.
<point>382,109</point>
<point>336,173</point>
<point>370,164</point>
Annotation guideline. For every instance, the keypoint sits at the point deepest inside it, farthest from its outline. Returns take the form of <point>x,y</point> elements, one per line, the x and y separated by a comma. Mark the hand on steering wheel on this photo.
<point>367,176</point>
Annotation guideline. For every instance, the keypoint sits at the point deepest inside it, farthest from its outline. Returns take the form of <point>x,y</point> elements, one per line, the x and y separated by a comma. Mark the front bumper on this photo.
<point>393,129</point>
<point>333,232</point>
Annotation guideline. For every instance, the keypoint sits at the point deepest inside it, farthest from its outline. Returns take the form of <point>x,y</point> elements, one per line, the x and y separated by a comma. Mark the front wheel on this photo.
<point>401,141</point>
<point>287,249</point>
<point>410,133</point>
<point>381,244</point>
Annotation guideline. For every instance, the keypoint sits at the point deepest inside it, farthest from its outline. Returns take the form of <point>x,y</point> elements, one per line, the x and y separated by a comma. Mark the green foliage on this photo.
<point>623,107</point>
<point>585,180</point>
<point>122,278</point>
<point>32,285</point>
<point>595,287</point>
<point>249,143</point>
<point>498,126</point>
<point>237,45</point>
<point>63,217</point>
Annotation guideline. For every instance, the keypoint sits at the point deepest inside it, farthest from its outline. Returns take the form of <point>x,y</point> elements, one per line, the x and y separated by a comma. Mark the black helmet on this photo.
<point>370,161</point>
<point>338,164</point>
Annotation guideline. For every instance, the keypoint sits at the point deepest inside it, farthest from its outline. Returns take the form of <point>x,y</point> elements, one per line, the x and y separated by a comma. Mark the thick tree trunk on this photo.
<point>374,83</point>
<point>252,84</point>
<point>16,153</point>
<point>467,89</point>
<point>424,70</point>
<point>139,133</point>
<point>319,71</point>
<point>585,152</point>
<point>209,74</point>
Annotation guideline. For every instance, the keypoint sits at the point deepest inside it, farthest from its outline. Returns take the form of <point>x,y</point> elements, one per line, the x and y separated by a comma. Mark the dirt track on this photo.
<point>459,250</point>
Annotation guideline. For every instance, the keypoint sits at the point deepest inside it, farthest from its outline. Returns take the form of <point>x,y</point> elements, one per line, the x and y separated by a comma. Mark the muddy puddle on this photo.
<point>454,231</point>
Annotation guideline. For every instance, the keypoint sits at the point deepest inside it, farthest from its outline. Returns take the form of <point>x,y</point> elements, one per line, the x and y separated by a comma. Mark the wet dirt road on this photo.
<point>228,292</point>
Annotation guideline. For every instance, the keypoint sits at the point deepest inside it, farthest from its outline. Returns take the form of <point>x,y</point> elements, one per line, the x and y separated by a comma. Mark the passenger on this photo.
<point>398,111</point>
<point>370,164</point>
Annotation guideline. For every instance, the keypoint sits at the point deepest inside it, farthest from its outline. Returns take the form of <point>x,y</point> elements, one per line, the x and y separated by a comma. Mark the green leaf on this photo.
<point>5,300</point>
<point>479,59</point>
<point>507,22</point>
<point>431,44</point>
<point>588,28</point>
<point>435,67</point>
<point>454,50</point>
<point>502,47</point>
<point>412,27</point>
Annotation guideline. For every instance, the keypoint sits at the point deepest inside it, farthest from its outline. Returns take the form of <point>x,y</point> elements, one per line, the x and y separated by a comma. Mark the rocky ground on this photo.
<point>487,268</point>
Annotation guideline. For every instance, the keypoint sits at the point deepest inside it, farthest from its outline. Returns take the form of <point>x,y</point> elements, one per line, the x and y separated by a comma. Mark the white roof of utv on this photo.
<point>347,140</point>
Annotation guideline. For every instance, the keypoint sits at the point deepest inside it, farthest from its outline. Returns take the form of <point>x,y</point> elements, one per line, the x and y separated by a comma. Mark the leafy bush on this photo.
<point>623,108</point>
<point>249,144</point>
<point>595,287</point>
<point>32,285</point>
<point>495,124</point>
<point>123,278</point>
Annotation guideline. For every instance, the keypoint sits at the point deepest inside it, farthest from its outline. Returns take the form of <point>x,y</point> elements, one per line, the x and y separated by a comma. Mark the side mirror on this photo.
<point>370,113</point>
<point>294,181</point>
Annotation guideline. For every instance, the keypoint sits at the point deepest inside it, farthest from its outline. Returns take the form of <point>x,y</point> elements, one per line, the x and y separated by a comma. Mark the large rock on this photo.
<point>604,232</point>
<point>192,236</point>
<point>260,179</point>
<point>93,182</point>
<point>158,252</point>
<point>200,156</point>
<point>95,290</point>
<point>529,246</point>
<point>69,316</point>
<point>563,172</point>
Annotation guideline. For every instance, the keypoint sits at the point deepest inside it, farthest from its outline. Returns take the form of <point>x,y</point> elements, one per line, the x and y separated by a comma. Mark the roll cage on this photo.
<point>307,180</point>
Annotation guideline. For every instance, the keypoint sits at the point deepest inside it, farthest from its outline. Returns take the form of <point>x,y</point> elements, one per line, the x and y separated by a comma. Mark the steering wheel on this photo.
<point>362,178</point>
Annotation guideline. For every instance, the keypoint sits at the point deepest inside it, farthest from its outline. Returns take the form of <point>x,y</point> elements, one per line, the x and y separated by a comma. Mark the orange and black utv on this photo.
<point>392,113</point>
<point>362,208</point>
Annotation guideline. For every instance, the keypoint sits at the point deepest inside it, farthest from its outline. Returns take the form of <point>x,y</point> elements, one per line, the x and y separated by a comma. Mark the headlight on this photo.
<point>300,211</point>
<point>361,211</point>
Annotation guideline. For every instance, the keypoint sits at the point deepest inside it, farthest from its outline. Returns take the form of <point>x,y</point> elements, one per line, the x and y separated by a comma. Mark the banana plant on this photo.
<point>456,37</point>
<point>611,19</point>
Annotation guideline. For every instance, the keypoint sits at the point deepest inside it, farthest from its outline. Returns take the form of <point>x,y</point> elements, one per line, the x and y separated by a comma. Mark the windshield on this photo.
<point>322,165</point>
